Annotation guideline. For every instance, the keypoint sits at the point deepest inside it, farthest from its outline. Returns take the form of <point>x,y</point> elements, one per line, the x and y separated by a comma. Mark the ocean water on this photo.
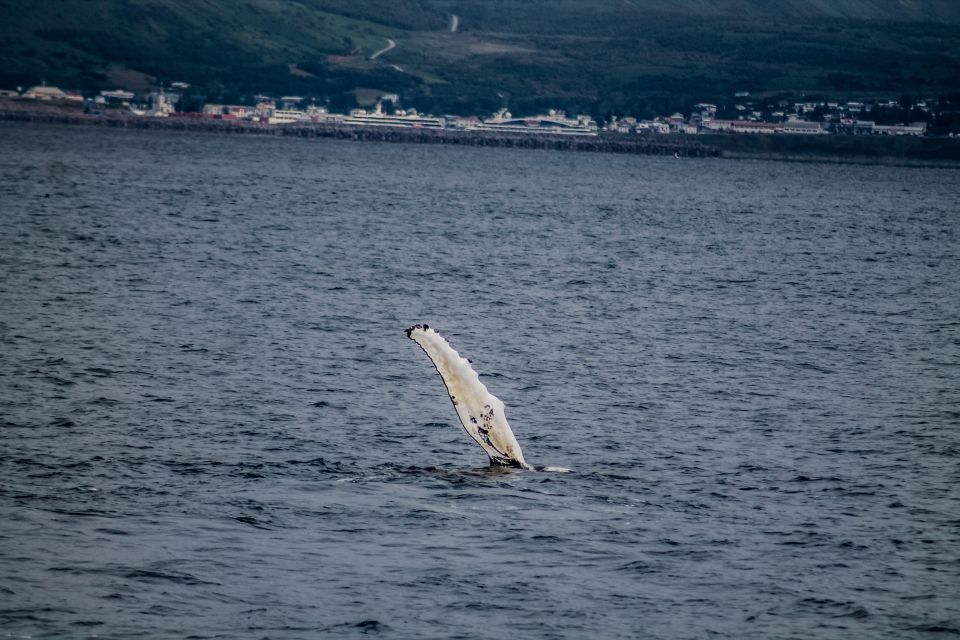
<point>213,425</point>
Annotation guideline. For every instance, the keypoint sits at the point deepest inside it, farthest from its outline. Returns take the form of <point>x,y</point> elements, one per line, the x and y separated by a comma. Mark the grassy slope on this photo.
<point>602,56</point>
<point>631,59</point>
<point>204,40</point>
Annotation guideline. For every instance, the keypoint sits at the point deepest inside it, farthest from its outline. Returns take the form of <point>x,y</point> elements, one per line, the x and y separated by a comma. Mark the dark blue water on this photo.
<point>214,426</point>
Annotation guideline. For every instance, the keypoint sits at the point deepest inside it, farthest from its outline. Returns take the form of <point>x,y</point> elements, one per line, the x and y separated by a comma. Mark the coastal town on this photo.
<point>746,115</point>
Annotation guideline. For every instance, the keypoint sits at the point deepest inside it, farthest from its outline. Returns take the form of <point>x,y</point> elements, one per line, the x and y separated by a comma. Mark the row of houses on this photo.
<point>831,109</point>
<point>706,123</point>
<point>287,110</point>
<point>157,103</point>
<point>805,127</point>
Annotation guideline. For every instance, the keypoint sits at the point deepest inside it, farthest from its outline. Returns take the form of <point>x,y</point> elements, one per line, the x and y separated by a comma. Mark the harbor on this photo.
<point>648,145</point>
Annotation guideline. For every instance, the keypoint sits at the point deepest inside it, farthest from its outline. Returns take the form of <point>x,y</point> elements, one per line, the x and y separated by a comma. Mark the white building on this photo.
<point>45,93</point>
<point>654,126</point>
<point>913,129</point>
<point>239,110</point>
<point>805,127</point>
<point>741,126</point>
<point>286,116</point>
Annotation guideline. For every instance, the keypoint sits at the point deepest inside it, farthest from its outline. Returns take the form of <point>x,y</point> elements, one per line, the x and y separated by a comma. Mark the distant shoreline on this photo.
<point>888,151</point>
<point>599,144</point>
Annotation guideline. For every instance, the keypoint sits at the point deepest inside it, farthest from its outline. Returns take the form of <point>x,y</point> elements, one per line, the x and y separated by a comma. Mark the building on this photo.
<point>161,106</point>
<point>265,106</point>
<point>287,116</point>
<point>803,127</point>
<point>653,126</point>
<point>676,121</point>
<point>238,110</point>
<point>317,114</point>
<point>740,126</point>
<point>45,93</point>
<point>622,125</point>
<point>913,129</point>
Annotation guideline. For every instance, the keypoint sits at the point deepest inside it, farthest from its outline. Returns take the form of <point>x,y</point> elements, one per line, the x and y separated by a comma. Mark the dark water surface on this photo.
<point>214,426</point>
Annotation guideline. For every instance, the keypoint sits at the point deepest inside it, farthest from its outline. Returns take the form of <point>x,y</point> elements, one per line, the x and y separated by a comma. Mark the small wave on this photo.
<point>99,372</point>
<point>103,402</point>
<point>365,627</point>
<point>637,566</point>
<point>60,382</point>
<point>831,608</point>
<point>938,627</point>
<point>253,522</point>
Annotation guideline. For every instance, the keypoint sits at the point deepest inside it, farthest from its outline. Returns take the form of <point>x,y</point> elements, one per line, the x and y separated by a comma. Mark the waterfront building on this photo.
<point>45,93</point>
<point>653,126</point>
<point>805,127</point>
<point>239,110</point>
<point>287,116</point>
<point>740,126</point>
<point>913,129</point>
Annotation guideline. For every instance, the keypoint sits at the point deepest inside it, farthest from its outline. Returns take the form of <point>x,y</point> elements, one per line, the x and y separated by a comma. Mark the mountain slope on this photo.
<point>600,56</point>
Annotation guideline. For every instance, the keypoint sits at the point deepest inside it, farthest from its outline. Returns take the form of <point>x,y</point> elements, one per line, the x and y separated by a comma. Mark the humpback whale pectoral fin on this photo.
<point>480,412</point>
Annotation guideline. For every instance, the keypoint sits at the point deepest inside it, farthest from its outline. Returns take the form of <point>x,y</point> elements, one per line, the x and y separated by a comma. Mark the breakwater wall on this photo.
<point>333,130</point>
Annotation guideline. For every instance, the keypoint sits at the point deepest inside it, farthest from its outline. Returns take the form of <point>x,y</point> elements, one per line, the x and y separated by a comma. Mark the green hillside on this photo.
<point>603,56</point>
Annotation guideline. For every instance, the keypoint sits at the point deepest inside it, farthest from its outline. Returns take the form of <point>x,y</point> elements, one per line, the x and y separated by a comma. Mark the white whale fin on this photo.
<point>480,412</point>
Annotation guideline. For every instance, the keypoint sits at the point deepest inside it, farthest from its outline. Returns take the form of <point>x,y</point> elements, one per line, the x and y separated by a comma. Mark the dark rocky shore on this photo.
<point>20,112</point>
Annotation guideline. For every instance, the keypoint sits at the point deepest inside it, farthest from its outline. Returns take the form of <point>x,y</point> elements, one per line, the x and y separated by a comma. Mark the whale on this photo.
<point>481,413</point>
